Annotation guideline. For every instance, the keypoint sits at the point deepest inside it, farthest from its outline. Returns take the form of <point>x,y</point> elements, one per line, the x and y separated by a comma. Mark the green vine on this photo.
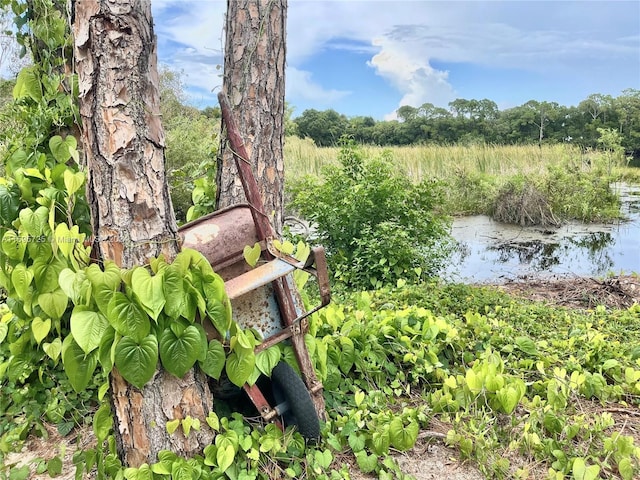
<point>63,310</point>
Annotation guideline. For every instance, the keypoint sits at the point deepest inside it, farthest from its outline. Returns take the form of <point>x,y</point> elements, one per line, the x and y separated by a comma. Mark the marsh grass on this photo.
<point>476,175</point>
<point>302,157</point>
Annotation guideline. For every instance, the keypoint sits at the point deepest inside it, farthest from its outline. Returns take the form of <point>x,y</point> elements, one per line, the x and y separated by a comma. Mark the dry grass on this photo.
<point>525,207</point>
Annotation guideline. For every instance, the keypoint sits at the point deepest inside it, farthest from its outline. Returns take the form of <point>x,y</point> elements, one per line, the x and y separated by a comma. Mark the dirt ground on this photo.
<point>430,458</point>
<point>579,292</point>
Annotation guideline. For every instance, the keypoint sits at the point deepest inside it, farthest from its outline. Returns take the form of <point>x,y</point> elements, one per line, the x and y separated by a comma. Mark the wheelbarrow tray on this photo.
<point>255,292</point>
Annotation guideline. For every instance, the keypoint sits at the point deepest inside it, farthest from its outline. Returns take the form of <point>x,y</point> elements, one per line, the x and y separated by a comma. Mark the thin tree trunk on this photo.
<point>254,83</point>
<point>132,216</point>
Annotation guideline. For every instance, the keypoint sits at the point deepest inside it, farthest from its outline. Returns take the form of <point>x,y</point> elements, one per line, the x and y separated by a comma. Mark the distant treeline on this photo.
<point>473,121</point>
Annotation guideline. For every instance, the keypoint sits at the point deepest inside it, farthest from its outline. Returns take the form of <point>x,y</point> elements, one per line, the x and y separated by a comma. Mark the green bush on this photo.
<point>377,225</point>
<point>470,193</point>
<point>192,146</point>
<point>581,195</point>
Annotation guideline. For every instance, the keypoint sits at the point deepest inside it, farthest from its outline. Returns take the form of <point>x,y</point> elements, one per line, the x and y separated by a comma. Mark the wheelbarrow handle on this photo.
<point>321,274</point>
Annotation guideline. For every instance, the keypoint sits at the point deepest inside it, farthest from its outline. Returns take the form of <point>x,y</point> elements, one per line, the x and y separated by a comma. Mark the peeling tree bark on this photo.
<point>254,83</point>
<point>132,216</point>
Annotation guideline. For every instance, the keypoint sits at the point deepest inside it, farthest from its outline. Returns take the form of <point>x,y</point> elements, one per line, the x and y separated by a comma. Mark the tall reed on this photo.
<point>302,157</point>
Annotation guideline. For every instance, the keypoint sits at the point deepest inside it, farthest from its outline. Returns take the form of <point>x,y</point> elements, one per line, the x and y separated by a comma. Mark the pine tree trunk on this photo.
<point>132,216</point>
<point>254,65</point>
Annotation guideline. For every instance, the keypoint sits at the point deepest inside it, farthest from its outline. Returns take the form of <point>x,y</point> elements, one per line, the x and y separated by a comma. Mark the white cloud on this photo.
<point>300,85</point>
<point>412,75</point>
<point>409,37</point>
<point>190,41</point>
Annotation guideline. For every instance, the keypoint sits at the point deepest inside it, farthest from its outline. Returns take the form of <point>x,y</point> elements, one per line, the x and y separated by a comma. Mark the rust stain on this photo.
<point>204,234</point>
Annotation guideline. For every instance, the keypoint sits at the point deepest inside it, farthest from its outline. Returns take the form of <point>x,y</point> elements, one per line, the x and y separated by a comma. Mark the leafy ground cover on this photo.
<point>518,389</point>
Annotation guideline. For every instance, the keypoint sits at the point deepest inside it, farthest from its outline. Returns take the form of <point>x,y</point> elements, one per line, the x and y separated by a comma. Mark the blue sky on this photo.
<point>370,57</point>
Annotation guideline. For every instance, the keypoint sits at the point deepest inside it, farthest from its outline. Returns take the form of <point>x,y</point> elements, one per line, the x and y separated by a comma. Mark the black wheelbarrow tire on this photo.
<point>288,386</point>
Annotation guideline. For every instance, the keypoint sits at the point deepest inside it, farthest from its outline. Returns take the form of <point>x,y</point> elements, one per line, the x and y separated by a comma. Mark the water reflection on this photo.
<point>536,254</point>
<point>491,251</point>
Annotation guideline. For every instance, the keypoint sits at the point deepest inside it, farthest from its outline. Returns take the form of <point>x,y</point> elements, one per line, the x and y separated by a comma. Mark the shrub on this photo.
<point>469,193</point>
<point>376,224</point>
<point>521,202</point>
<point>581,195</point>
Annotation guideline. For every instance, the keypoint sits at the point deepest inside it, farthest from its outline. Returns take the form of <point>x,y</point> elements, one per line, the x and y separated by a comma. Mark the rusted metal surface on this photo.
<point>258,277</point>
<point>266,298</point>
<point>249,183</point>
<point>259,310</point>
<point>257,398</point>
<point>221,236</point>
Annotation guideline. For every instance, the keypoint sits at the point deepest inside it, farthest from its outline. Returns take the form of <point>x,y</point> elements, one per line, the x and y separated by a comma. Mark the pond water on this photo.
<point>490,251</point>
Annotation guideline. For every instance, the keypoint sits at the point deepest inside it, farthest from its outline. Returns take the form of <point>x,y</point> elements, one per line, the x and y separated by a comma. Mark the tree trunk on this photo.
<point>254,64</point>
<point>132,216</point>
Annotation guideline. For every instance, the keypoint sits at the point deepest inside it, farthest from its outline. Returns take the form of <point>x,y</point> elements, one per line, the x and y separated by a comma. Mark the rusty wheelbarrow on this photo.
<point>264,298</point>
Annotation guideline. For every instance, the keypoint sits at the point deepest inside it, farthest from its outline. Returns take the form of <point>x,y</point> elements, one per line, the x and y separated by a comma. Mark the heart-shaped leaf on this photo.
<point>172,426</point>
<point>179,353</point>
<point>582,472</point>
<point>53,349</point>
<point>40,328</point>
<point>4,330</point>
<point>267,359</point>
<point>66,239</point>
<point>149,290</point>
<point>40,248</point>
<point>46,274</point>
<point>28,85</point>
<point>526,345</point>
<point>9,204</point>
<point>220,315</point>
<point>73,181</point>
<point>174,294</point>
<point>213,287</point>
<point>102,422</point>
<point>78,366</point>
<point>53,303</point>
<point>63,150</point>
<point>110,277</point>
<point>14,245</point>
<point>474,381</point>
<point>215,359</point>
<point>508,397</point>
<point>75,285</point>
<point>127,317</point>
<point>137,361</point>
<point>21,278</point>
<point>403,437</point>
<point>35,223</point>
<point>225,456</point>
<point>366,462</point>
<point>252,254</point>
<point>102,295</point>
<point>285,247</point>
<point>87,327</point>
<point>240,367</point>
<point>107,349</point>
